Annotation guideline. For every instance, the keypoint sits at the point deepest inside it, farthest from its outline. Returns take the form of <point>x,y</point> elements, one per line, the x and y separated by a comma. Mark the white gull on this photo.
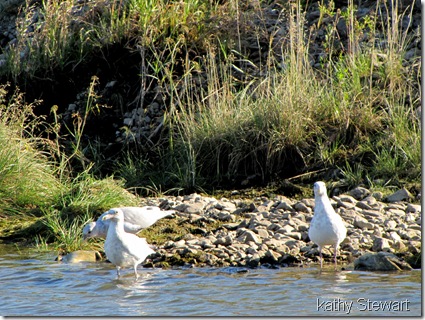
<point>124,249</point>
<point>135,219</point>
<point>326,227</point>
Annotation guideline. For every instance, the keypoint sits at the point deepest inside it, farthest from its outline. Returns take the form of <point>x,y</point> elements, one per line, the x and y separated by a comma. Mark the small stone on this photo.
<point>347,198</point>
<point>254,260</point>
<point>220,240</point>
<point>300,206</point>
<point>390,224</point>
<point>359,193</point>
<point>381,244</point>
<point>363,223</point>
<point>363,205</point>
<point>413,208</point>
<point>372,213</point>
<point>378,195</point>
<point>394,236</point>
<point>285,205</point>
<point>398,245</point>
<point>263,233</point>
<point>206,243</point>
<point>345,205</point>
<point>295,235</point>
<point>195,207</point>
<point>285,229</point>
<point>248,236</point>
<point>273,256</point>
<point>231,226</point>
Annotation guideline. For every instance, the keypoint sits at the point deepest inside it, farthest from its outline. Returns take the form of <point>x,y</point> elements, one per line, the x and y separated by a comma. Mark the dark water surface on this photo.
<point>36,285</point>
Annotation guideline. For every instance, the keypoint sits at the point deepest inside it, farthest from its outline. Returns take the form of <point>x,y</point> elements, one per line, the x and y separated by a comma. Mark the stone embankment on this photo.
<point>274,232</point>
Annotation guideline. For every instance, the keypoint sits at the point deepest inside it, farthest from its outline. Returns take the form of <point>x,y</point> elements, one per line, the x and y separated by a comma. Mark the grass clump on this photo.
<point>35,187</point>
<point>27,176</point>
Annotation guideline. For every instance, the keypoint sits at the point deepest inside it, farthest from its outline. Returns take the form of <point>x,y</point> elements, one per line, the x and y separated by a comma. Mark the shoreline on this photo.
<point>274,232</point>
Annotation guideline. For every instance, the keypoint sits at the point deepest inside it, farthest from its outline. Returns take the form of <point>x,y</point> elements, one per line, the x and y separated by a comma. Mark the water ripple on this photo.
<point>39,286</point>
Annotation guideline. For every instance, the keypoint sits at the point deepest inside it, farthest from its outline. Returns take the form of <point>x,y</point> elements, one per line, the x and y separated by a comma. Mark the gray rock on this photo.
<point>380,244</point>
<point>372,213</point>
<point>414,208</point>
<point>378,195</point>
<point>381,261</point>
<point>390,224</point>
<point>273,256</point>
<point>263,233</point>
<point>400,195</point>
<point>195,207</point>
<point>295,235</point>
<point>363,205</point>
<point>232,226</point>
<point>206,244</point>
<point>224,216</point>
<point>225,205</point>
<point>248,236</point>
<point>300,206</point>
<point>359,193</point>
<point>394,236</point>
<point>346,205</point>
<point>362,223</point>
<point>225,241</point>
<point>254,260</point>
<point>347,198</point>
<point>285,229</point>
<point>285,205</point>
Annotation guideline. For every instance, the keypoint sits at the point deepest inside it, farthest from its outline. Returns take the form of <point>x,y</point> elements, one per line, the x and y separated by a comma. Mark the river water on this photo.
<point>33,284</point>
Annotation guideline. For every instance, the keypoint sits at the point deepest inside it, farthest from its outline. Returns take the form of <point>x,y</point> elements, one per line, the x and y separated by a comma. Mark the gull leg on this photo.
<point>135,271</point>
<point>336,250</point>
<point>321,258</point>
<point>118,272</point>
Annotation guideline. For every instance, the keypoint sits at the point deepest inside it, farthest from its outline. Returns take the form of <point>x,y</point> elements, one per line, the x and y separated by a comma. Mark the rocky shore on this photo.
<point>274,232</point>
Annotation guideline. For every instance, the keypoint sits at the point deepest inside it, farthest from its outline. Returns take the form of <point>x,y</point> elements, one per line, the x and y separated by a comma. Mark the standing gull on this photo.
<point>124,249</point>
<point>135,219</point>
<point>327,227</point>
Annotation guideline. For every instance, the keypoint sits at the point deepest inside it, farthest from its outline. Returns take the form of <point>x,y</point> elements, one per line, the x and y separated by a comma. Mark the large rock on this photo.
<point>400,195</point>
<point>381,261</point>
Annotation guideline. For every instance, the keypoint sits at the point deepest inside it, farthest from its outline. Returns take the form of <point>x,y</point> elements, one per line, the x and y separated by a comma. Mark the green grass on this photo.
<point>33,183</point>
<point>27,176</point>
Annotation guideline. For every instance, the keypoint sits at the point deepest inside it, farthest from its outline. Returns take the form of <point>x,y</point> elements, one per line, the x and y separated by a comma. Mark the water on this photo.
<point>36,285</point>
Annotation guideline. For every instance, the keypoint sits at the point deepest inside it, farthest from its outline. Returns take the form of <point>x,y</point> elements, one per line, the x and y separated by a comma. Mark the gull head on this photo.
<point>114,214</point>
<point>319,188</point>
<point>88,230</point>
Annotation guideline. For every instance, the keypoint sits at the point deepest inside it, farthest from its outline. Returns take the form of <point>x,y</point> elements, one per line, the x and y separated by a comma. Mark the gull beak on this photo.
<point>108,216</point>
